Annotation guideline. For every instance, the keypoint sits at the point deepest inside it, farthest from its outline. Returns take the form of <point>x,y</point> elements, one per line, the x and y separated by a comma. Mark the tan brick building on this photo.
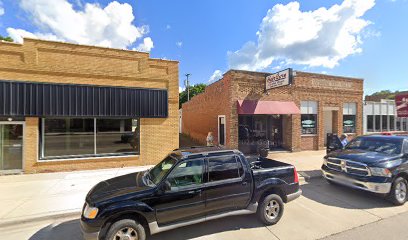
<point>68,107</point>
<point>242,114</point>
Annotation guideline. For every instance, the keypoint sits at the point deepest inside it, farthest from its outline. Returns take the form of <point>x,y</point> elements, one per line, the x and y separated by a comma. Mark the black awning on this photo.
<point>69,100</point>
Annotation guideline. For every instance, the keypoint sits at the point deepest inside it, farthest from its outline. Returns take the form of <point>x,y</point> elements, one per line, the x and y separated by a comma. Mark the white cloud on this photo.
<point>321,37</point>
<point>1,9</point>
<point>110,26</point>
<point>146,46</point>
<point>179,44</point>
<point>18,34</point>
<point>181,89</point>
<point>215,76</point>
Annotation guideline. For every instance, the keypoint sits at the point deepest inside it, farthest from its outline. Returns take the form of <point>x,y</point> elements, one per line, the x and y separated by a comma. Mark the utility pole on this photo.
<point>187,84</point>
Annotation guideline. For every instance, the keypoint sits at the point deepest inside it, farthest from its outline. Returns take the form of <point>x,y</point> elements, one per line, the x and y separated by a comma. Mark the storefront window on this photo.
<point>399,124</point>
<point>308,120</point>
<point>392,123</point>
<point>377,123</point>
<point>64,137</point>
<point>349,123</point>
<point>88,137</point>
<point>349,117</point>
<point>309,123</point>
<point>384,123</point>
<point>370,123</point>
<point>117,136</point>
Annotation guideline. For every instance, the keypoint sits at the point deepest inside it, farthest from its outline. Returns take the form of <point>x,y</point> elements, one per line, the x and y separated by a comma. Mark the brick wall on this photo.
<point>328,91</point>
<point>54,62</point>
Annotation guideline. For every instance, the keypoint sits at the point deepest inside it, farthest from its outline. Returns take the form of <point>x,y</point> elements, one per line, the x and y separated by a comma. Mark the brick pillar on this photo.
<point>320,126</point>
<point>31,136</point>
<point>296,133</point>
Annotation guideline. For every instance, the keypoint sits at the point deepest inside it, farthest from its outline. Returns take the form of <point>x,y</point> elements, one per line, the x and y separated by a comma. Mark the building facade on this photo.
<point>381,116</point>
<point>70,107</point>
<point>242,114</point>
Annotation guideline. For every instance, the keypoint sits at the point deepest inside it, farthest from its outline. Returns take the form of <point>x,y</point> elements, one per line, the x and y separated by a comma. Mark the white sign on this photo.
<point>278,79</point>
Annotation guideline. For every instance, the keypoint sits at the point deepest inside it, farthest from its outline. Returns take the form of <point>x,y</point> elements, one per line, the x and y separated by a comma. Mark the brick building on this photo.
<point>242,114</point>
<point>68,107</point>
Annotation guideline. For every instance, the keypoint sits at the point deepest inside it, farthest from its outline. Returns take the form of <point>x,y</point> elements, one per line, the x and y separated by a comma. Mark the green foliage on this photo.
<point>194,90</point>
<point>385,94</point>
<point>7,39</point>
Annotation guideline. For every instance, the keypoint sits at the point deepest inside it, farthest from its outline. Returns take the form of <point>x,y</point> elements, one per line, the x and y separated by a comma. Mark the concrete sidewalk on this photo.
<point>32,197</point>
<point>307,163</point>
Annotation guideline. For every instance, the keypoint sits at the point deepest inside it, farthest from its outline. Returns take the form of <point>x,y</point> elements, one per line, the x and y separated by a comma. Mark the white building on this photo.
<point>382,117</point>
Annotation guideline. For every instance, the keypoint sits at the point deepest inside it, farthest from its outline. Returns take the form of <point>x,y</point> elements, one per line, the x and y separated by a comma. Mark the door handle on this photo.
<point>244,183</point>
<point>194,191</point>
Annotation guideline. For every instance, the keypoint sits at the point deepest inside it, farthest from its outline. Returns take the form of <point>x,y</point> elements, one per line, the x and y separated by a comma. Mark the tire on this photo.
<point>398,194</point>
<point>128,227</point>
<point>276,207</point>
<point>331,182</point>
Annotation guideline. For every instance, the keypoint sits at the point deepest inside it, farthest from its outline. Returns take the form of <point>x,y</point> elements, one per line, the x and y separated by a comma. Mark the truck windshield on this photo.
<point>385,146</point>
<point>157,173</point>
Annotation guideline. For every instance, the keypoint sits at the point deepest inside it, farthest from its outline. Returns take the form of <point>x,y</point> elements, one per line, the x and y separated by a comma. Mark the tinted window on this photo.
<point>160,170</point>
<point>240,168</point>
<point>186,174</point>
<point>222,168</point>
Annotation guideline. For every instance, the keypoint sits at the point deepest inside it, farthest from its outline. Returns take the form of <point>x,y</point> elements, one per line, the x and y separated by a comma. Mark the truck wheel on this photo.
<point>128,229</point>
<point>398,194</point>
<point>271,209</point>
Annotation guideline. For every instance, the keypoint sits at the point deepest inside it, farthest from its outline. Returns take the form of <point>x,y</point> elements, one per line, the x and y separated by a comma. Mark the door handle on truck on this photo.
<point>244,183</point>
<point>195,191</point>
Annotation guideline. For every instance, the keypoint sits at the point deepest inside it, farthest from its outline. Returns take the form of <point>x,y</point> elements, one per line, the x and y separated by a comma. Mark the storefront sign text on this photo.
<point>331,84</point>
<point>279,79</point>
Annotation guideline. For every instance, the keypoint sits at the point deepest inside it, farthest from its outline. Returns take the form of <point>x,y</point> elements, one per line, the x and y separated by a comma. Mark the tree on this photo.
<point>194,90</point>
<point>384,94</point>
<point>7,39</point>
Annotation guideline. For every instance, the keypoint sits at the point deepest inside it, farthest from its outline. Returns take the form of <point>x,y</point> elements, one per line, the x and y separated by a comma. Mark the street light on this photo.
<point>187,85</point>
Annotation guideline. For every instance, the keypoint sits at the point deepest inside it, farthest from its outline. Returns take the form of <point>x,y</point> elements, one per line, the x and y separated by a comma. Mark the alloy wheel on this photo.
<point>272,209</point>
<point>126,233</point>
<point>401,191</point>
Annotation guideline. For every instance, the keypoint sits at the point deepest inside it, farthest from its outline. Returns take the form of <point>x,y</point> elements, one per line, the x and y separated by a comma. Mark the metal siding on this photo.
<point>67,100</point>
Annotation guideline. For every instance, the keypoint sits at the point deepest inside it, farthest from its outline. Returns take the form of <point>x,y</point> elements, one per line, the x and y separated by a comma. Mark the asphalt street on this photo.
<point>324,211</point>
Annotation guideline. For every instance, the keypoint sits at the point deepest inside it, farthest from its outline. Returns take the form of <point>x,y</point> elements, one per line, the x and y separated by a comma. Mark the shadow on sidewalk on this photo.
<point>70,230</point>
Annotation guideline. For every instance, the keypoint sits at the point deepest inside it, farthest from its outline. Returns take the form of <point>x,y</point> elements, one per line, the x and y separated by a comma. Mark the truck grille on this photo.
<point>348,166</point>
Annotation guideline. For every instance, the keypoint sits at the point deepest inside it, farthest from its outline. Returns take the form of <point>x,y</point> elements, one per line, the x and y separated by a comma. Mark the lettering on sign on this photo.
<point>331,84</point>
<point>279,79</point>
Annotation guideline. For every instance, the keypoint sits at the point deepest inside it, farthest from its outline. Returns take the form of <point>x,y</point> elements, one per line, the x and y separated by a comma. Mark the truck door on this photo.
<point>184,200</point>
<point>225,189</point>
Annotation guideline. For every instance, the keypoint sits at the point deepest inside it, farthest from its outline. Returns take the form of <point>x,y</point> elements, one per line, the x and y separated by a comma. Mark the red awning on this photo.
<point>267,107</point>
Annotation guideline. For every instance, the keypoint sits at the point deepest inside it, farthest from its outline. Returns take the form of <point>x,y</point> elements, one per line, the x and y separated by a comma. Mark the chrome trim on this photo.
<point>383,188</point>
<point>344,167</point>
<point>154,227</point>
<point>293,196</point>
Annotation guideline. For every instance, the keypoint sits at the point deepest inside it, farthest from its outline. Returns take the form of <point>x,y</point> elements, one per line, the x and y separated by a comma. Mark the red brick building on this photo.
<point>295,115</point>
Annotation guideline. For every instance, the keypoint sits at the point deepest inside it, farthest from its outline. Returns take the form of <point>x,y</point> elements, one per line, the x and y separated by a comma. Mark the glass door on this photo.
<point>11,146</point>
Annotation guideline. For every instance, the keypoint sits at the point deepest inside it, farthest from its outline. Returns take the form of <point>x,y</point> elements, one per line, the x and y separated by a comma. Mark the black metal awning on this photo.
<point>69,100</point>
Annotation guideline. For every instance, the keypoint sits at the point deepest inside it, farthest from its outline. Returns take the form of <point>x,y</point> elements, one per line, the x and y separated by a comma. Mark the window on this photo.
<point>88,137</point>
<point>370,123</point>
<point>381,145</point>
<point>309,117</point>
<point>187,174</point>
<point>399,124</point>
<point>384,125</point>
<point>65,137</point>
<point>377,123</point>
<point>349,117</point>
<point>117,136</point>
<point>157,173</point>
<point>222,168</point>
<point>392,123</point>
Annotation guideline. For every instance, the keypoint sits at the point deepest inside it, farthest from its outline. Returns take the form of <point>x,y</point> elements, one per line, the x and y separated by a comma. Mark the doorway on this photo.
<point>221,130</point>
<point>328,124</point>
<point>11,146</point>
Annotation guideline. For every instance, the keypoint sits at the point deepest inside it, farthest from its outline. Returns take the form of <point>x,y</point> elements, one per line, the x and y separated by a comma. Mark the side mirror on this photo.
<point>166,185</point>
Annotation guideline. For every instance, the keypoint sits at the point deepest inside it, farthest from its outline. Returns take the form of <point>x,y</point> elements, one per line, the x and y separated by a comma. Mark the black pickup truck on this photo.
<point>189,186</point>
<point>375,163</point>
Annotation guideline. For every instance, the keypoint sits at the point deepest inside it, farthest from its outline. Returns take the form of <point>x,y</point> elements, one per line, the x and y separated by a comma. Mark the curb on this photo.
<point>35,218</point>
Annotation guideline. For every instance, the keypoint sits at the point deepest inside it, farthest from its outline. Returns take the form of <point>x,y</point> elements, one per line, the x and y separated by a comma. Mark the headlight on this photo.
<point>382,172</point>
<point>90,212</point>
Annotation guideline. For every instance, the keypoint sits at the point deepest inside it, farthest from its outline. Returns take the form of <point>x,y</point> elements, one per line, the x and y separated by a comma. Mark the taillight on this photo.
<point>295,175</point>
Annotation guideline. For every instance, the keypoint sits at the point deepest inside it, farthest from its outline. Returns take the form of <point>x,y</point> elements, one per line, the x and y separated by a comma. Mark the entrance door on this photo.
<point>11,146</point>
<point>221,130</point>
<point>328,124</point>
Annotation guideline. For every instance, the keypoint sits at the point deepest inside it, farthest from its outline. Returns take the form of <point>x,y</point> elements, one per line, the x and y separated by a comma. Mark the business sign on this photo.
<point>401,104</point>
<point>279,79</point>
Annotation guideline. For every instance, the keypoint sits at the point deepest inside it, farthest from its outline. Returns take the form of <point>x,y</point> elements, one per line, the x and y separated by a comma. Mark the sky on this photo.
<point>357,38</point>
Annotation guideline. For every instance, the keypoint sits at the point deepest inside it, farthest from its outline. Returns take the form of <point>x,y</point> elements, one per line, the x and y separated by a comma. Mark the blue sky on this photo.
<point>359,38</point>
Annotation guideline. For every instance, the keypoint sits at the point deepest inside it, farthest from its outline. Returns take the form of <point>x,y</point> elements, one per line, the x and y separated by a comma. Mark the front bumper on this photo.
<point>374,187</point>
<point>88,233</point>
